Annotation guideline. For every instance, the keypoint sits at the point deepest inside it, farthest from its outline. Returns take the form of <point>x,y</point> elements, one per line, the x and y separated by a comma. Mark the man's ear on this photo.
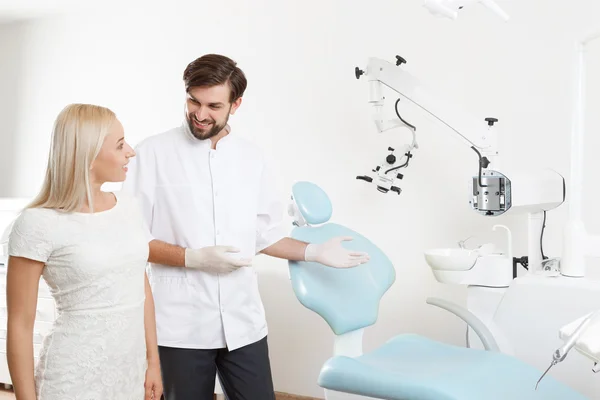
<point>235,105</point>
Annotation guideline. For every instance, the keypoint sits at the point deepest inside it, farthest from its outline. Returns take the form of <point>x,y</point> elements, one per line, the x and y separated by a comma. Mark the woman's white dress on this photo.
<point>95,265</point>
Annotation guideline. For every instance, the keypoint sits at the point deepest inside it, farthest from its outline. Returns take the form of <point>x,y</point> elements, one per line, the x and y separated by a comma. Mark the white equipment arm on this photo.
<point>479,135</point>
<point>471,131</point>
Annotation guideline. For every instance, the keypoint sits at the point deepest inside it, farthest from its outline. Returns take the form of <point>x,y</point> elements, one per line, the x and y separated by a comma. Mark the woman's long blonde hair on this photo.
<point>77,137</point>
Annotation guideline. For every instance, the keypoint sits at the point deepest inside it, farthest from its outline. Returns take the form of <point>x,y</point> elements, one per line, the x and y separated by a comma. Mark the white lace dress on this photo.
<point>95,266</point>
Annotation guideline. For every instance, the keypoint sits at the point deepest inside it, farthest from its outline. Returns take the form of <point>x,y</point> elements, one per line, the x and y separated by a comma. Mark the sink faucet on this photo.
<point>462,243</point>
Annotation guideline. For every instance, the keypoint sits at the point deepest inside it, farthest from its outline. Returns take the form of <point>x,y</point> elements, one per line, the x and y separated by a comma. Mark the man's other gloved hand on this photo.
<point>214,259</point>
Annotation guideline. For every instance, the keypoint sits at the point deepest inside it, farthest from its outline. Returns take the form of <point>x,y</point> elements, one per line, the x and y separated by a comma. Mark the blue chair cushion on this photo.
<point>313,202</point>
<point>346,298</point>
<point>411,367</point>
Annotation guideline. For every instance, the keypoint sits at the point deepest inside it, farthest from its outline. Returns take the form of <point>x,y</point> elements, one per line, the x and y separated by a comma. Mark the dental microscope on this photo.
<point>494,189</point>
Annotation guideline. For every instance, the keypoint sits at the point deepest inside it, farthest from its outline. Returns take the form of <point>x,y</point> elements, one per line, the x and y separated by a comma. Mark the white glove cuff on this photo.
<point>310,253</point>
<point>187,257</point>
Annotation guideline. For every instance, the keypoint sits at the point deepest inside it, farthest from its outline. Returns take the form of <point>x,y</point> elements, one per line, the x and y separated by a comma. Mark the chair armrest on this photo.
<point>485,335</point>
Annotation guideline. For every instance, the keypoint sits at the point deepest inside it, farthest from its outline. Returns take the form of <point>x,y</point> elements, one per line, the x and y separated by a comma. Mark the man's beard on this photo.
<point>203,134</point>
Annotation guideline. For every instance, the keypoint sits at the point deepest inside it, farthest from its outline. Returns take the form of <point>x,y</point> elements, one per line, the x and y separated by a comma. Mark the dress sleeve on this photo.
<point>30,236</point>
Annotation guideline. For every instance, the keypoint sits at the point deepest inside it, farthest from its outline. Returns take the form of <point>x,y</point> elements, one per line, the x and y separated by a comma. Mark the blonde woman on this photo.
<point>91,247</point>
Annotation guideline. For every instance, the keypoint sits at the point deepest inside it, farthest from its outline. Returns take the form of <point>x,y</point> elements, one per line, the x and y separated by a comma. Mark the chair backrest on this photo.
<point>347,299</point>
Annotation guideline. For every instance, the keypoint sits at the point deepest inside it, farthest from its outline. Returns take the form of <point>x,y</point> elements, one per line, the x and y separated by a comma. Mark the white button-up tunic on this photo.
<point>194,196</point>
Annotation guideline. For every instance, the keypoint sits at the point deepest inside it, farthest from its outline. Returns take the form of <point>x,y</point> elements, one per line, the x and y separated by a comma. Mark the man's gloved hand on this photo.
<point>214,259</point>
<point>332,254</point>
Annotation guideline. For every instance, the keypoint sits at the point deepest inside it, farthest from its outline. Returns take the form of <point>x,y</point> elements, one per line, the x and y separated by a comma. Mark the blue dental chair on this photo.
<point>408,366</point>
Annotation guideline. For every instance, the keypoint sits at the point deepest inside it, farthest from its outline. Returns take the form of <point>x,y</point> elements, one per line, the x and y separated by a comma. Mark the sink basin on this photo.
<point>451,259</point>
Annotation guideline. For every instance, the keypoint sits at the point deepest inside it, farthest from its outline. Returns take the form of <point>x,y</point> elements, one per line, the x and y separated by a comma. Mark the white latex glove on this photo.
<point>333,254</point>
<point>214,259</point>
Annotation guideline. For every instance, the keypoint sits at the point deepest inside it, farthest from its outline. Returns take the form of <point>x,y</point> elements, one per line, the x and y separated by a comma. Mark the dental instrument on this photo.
<point>561,353</point>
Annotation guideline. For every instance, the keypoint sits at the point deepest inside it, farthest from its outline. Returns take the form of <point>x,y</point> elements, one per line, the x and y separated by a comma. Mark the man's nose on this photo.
<point>202,114</point>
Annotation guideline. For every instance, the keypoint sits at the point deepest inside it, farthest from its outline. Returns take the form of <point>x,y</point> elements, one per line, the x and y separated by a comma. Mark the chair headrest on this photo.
<point>310,204</point>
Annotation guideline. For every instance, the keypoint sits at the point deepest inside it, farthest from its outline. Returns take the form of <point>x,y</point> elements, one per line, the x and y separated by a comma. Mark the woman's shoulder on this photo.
<point>36,219</point>
<point>33,227</point>
<point>38,215</point>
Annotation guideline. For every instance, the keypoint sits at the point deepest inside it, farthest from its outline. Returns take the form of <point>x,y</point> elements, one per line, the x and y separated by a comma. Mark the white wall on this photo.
<point>306,108</point>
<point>12,39</point>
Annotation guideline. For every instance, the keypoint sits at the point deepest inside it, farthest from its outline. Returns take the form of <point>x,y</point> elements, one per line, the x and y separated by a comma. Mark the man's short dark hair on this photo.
<point>213,70</point>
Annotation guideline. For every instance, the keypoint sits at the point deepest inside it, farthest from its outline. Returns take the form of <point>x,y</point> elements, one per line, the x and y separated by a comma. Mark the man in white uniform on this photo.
<point>208,200</point>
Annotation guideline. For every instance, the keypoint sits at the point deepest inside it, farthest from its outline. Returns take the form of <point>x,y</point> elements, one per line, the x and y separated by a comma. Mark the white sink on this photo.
<point>451,259</point>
